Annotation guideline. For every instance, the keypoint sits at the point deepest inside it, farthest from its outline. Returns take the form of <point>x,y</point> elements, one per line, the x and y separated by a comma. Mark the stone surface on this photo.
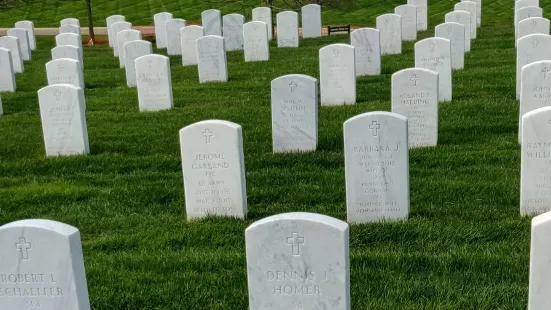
<point>298,261</point>
<point>337,74</point>
<point>478,11</point>
<point>535,88</point>
<point>408,14</point>
<point>69,29</point>
<point>377,167</point>
<point>367,50</point>
<point>1,107</point>
<point>214,169</point>
<point>540,263</point>
<point>531,48</point>
<point>311,21</point>
<point>159,21</point>
<point>294,113</point>
<point>70,21</point>
<point>71,39</point>
<point>115,29</point>
<point>390,27</point>
<point>256,45</point>
<point>189,35</point>
<point>154,83</point>
<point>65,71</point>
<point>521,4</point>
<point>109,22</point>
<point>533,25</point>
<point>422,20</point>
<point>527,12</point>
<point>233,31</point>
<point>63,115</point>
<point>212,22</point>
<point>132,51</point>
<point>12,44</point>
<point>435,54</point>
<point>66,51</point>
<point>287,29</point>
<point>471,7</point>
<point>124,37</point>
<point>211,59</point>
<point>414,94</point>
<point>24,46</point>
<point>454,32</point>
<point>7,74</point>
<point>42,266</point>
<point>173,36</point>
<point>463,18</point>
<point>264,14</point>
<point>29,26</point>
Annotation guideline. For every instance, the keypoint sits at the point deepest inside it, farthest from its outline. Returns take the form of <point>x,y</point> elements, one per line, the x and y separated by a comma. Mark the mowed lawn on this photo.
<point>464,246</point>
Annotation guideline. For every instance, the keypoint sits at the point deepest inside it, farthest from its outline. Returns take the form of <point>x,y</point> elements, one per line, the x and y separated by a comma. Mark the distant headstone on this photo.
<point>173,37</point>
<point>367,50</point>
<point>132,51</point>
<point>7,74</point>
<point>256,45</point>
<point>154,83</point>
<point>435,54</point>
<point>454,32</point>
<point>390,27</point>
<point>42,266</point>
<point>337,74</point>
<point>287,29</point>
<point>23,37</point>
<point>211,59</point>
<point>478,11</point>
<point>422,20</point>
<point>264,14</point>
<point>29,26</point>
<point>12,44</point>
<point>414,95</point>
<point>66,51</point>
<point>531,48</point>
<point>189,35</point>
<point>62,110</point>
<point>160,20</point>
<point>471,7</point>
<point>294,113</point>
<point>65,71</point>
<point>115,29</point>
<point>463,18</point>
<point>540,269</point>
<point>408,14</point>
<point>533,25</point>
<point>535,88</point>
<point>289,265</point>
<point>70,39</point>
<point>214,169</point>
<point>311,21</point>
<point>124,37</point>
<point>69,29</point>
<point>70,21</point>
<point>212,22</point>
<point>527,12</point>
<point>109,22</point>
<point>519,4</point>
<point>233,31</point>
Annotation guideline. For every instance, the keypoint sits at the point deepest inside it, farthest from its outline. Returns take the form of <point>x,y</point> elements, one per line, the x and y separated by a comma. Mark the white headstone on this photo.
<point>154,83</point>
<point>7,74</point>
<point>264,14</point>
<point>233,31</point>
<point>422,20</point>
<point>294,113</point>
<point>287,29</point>
<point>435,54</point>
<point>109,22</point>
<point>521,4</point>
<point>337,74</point>
<point>214,169</point>
<point>535,88</point>
<point>69,29</point>
<point>65,71</point>
<point>189,35</point>
<point>377,167</point>
<point>124,37</point>
<point>160,20</point>
<point>115,29</point>
<point>29,26</point>
<point>471,7</point>
<point>173,37</point>
<point>408,14</point>
<point>212,22</point>
<point>414,95</point>
<point>531,48</point>
<point>211,59</point>
<point>12,44</point>
<point>527,12</point>
<point>62,110</point>
<point>367,50</point>
<point>23,37</point>
<point>390,27</point>
<point>454,32</point>
<point>540,269</point>
<point>70,21</point>
<point>42,266</point>
<point>463,18</point>
<point>132,51</point>
<point>311,21</point>
<point>298,261</point>
<point>66,51</point>
<point>533,25</point>
<point>478,11</point>
<point>256,45</point>
<point>70,39</point>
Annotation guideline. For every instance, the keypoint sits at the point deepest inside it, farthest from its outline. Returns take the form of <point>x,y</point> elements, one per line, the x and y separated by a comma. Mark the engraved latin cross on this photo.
<point>23,247</point>
<point>57,94</point>
<point>375,126</point>
<point>295,241</point>
<point>414,79</point>
<point>431,47</point>
<point>293,86</point>
<point>207,134</point>
<point>535,42</point>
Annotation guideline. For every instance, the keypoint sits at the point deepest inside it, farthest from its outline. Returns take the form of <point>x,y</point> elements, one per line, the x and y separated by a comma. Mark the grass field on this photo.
<point>464,247</point>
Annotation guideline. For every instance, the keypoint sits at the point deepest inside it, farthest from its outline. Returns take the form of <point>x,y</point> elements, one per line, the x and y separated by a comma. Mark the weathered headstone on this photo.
<point>540,269</point>
<point>173,37</point>
<point>255,45</point>
<point>287,29</point>
<point>527,12</point>
<point>70,21</point>
<point>42,266</point>
<point>535,88</point>
<point>390,27</point>
<point>109,22</point>
<point>337,74</point>
<point>124,37</point>
<point>23,37</point>
<point>311,20</point>
<point>233,31</point>
<point>211,59</point>
<point>533,25</point>
<point>189,35</point>
<point>289,265</point>
<point>454,32</point>
<point>408,14</point>
<point>132,51</point>
<point>414,95</point>
<point>154,83</point>
<point>478,11</point>
<point>71,39</point>
<point>264,14</point>
<point>12,44</point>
<point>294,113</point>
<point>463,18</point>
<point>377,167</point>
<point>214,169</point>
<point>212,22</point>
<point>471,7</point>
<point>531,48</point>
<point>115,29</point>
<point>63,114</point>
<point>65,71</point>
<point>7,74</point>
<point>422,20</point>
<point>367,50</point>
<point>66,51</point>
<point>160,20</point>
<point>29,26</point>
<point>69,29</point>
<point>435,54</point>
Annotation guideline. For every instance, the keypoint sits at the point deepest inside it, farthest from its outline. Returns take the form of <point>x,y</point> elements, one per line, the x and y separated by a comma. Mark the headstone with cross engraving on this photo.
<point>298,261</point>
<point>42,266</point>
<point>533,25</point>
<point>211,20</point>
<point>390,27</point>
<point>69,29</point>
<point>154,83</point>
<point>70,39</point>
<point>535,88</point>
<point>408,14</point>
<point>311,20</point>
<point>535,163</point>
<point>29,26</point>
<point>435,54</point>
<point>540,269</point>
<point>109,22</point>
<point>232,27</point>
<point>337,74</point>
<point>524,13</point>
<point>160,20</point>
<point>367,51</point>
<point>294,113</point>
<point>115,29</point>
<point>414,94</point>
<point>132,51</point>
<point>23,37</point>
<point>478,11</point>
<point>12,44</point>
<point>70,21</point>
<point>522,4</point>
<point>189,35</point>
<point>256,45</point>
<point>421,5</point>
<point>124,37</point>
<point>211,59</point>
<point>264,14</point>
<point>65,71</point>
<point>214,169</point>
<point>463,18</point>
<point>287,29</point>
<point>455,32</point>
<point>62,111</point>
<point>7,74</point>
<point>471,7</point>
<point>173,36</point>
<point>66,51</point>
<point>531,48</point>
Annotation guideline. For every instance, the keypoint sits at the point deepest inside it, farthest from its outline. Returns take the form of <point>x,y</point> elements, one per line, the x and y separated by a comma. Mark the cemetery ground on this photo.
<point>464,246</point>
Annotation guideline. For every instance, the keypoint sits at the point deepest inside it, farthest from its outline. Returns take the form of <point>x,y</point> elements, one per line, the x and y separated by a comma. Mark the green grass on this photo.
<point>464,247</point>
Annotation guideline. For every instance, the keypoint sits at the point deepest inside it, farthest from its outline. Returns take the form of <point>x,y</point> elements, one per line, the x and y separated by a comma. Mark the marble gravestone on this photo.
<point>390,27</point>
<point>232,27</point>
<point>540,269</point>
<point>159,20</point>
<point>527,12</point>
<point>264,14</point>
<point>70,21</point>
<point>65,71</point>
<point>422,20</point>
<point>211,21</point>
<point>173,37</point>
<point>337,74</point>
<point>533,25</point>
<point>471,7</point>
<point>376,167</point>
<point>214,169</point>
<point>42,266</point>
<point>256,45</point>
<point>535,163</point>
<point>12,44</point>
<point>287,29</point>
<point>154,83</point>
<point>69,29</point>
<point>294,113</point>
<point>115,29</point>
<point>7,74</point>
<point>414,94</point>
<point>454,32</point>
<point>463,18</point>
<point>531,48</point>
<point>522,4</point>
<point>29,26</point>
<point>66,51</point>
<point>132,51</point>
<point>298,261</point>
<point>478,11</point>
<point>73,40</point>
<point>435,54</point>
<point>23,37</point>
<point>535,89</point>
<point>311,20</point>
<point>189,35</point>
<point>367,51</point>
<point>62,111</point>
<point>109,22</point>
<point>408,14</point>
<point>211,59</point>
<point>124,37</point>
